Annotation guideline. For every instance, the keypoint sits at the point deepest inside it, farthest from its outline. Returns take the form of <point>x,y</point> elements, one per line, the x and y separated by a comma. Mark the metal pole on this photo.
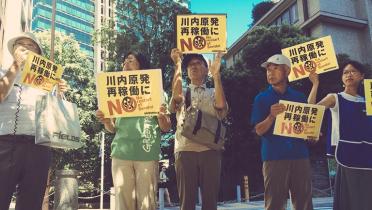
<point>102,169</point>
<point>161,198</point>
<point>53,30</point>
<point>238,194</point>
<point>246,189</point>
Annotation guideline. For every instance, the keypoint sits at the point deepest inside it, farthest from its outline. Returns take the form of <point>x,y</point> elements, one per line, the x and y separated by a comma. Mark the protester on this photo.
<point>22,162</point>
<point>350,131</point>
<point>196,164</point>
<point>286,165</point>
<point>135,150</point>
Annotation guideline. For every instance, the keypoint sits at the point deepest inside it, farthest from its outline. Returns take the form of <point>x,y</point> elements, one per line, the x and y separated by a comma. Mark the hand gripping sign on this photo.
<point>299,120</point>
<point>316,55</point>
<point>41,73</point>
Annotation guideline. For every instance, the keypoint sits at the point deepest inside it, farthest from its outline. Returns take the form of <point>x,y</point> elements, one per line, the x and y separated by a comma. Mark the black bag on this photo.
<point>202,127</point>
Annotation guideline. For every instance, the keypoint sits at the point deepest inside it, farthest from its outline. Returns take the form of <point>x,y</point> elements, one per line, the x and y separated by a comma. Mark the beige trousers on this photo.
<point>135,184</point>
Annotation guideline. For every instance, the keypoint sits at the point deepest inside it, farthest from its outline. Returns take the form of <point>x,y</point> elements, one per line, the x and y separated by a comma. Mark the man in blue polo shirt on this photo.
<point>286,165</point>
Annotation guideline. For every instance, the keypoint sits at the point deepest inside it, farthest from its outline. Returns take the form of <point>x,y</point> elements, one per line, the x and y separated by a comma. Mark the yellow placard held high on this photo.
<point>368,94</point>
<point>202,33</point>
<point>299,120</point>
<point>41,73</point>
<point>316,55</point>
<point>129,93</point>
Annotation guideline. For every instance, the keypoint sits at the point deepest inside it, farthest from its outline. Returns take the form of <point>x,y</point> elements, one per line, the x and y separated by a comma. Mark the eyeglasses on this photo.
<point>27,45</point>
<point>350,72</point>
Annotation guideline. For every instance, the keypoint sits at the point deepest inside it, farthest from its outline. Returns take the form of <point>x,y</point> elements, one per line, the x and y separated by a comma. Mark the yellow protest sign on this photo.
<point>299,120</point>
<point>316,55</point>
<point>202,33</point>
<point>368,94</point>
<point>130,93</point>
<point>41,73</point>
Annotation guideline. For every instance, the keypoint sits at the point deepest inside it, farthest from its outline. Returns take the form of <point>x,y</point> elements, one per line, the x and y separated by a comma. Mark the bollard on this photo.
<point>66,194</point>
<point>199,196</point>
<point>161,198</point>
<point>246,189</point>
<point>238,194</point>
<point>112,198</point>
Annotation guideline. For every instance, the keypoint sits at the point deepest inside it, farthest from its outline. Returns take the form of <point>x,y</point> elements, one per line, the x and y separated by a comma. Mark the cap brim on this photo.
<point>264,64</point>
<point>11,42</point>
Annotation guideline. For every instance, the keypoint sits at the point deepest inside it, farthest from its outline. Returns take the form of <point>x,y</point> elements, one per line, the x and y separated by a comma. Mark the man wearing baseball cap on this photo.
<point>196,164</point>
<point>22,162</point>
<point>286,165</point>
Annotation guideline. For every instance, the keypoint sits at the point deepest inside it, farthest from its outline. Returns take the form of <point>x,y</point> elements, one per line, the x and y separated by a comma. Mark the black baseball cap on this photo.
<point>188,57</point>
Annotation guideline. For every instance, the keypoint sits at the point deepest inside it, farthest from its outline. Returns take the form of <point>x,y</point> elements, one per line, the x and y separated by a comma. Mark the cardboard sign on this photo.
<point>316,55</point>
<point>299,120</point>
<point>368,94</point>
<point>130,93</point>
<point>41,73</point>
<point>201,33</point>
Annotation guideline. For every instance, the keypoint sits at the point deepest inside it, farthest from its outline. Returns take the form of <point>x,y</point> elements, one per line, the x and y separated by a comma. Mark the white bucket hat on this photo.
<point>277,59</point>
<point>27,35</point>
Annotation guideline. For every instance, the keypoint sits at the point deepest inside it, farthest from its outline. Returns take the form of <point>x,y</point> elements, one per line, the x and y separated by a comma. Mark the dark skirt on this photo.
<point>353,189</point>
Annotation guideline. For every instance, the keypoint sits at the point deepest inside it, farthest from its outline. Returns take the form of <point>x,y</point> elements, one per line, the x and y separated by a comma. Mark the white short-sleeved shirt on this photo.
<point>203,98</point>
<point>17,111</point>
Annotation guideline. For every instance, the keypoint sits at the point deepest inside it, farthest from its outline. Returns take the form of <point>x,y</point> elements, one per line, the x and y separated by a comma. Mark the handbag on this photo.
<point>57,122</point>
<point>202,127</point>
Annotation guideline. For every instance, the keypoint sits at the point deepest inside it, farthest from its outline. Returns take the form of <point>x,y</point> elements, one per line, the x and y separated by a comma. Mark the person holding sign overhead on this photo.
<point>197,164</point>
<point>286,164</point>
<point>351,134</point>
<point>135,150</point>
<point>22,162</point>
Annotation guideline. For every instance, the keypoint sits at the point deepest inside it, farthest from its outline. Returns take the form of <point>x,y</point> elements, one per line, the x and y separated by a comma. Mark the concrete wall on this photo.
<point>354,38</point>
<point>350,8</point>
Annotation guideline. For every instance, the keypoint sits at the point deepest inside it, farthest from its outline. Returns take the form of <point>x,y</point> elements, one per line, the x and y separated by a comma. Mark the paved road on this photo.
<point>319,204</point>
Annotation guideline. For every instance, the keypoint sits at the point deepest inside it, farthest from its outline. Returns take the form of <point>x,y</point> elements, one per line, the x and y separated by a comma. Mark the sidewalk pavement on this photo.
<point>324,203</point>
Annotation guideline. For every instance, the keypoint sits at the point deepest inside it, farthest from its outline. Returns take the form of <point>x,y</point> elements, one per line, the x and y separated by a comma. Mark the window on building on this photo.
<point>102,10</point>
<point>285,18</point>
<point>289,16</point>
<point>293,12</point>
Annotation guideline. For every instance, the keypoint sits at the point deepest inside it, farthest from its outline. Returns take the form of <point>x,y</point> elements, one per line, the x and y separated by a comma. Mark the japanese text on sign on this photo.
<point>129,93</point>
<point>201,33</point>
<point>41,73</point>
<point>299,120</point>
<point>317,55</point>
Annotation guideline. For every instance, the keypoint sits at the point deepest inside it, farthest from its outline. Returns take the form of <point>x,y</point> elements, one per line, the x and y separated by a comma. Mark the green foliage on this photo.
<point>80,78</point>
<point>260,9</point>
<point>148,27</point>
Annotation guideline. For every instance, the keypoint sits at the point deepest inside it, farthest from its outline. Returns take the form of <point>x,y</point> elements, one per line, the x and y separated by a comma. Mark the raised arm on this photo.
<point>314,78</point>
<point>177,95</point>
<point>214,68</point>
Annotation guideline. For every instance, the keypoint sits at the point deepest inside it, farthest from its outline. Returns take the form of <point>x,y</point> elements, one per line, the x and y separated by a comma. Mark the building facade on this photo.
<point>15,17</point>
<point>349,22</point>
<point>73,17</point>
<point>79,18</point>
<point>104,12</point>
